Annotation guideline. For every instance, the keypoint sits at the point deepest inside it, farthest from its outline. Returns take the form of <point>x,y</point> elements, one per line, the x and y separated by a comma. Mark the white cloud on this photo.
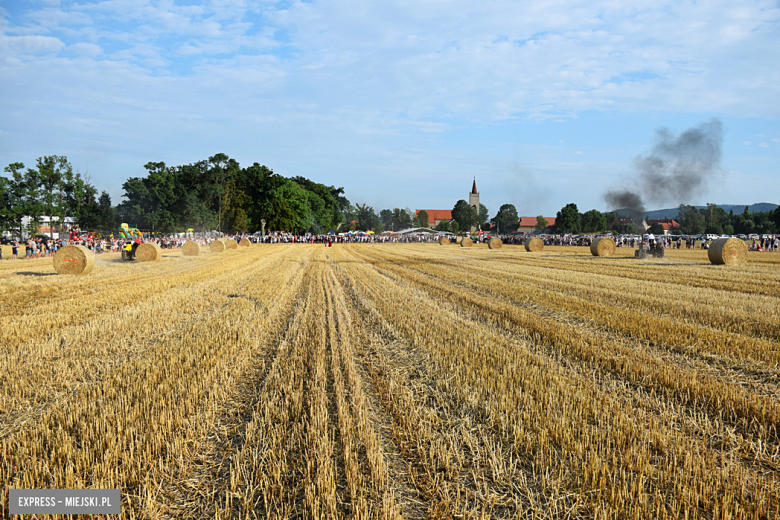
<point>27,45</point>
<point>747,143</point>
<point>86,49</point>
<point>578,152</point>
<point>763,145</point>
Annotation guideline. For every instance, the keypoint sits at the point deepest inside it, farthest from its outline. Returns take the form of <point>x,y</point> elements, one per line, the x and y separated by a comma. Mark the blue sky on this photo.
<point>401,102</point>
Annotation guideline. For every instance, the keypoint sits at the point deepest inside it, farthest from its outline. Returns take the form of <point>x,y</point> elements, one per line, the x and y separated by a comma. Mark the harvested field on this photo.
<point>397,381</point>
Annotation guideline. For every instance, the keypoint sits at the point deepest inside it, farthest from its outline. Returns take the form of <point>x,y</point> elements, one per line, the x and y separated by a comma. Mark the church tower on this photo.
<point>474,196</point>
<point>474,201</point>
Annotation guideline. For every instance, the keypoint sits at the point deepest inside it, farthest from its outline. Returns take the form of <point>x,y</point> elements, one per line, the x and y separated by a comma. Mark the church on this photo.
<point>437,215</point>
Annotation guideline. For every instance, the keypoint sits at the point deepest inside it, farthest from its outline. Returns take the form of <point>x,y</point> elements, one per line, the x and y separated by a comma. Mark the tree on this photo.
<point>386,216</point>
<point>234,206</point>
<point>402,219</point>
<point>506,220</point>
<point>482,215</point>
<point>594,221</point>
<point>691,221</point>
<point>714,218</point>
<point>568,219</point>
<point>152,199</point>
<point>656,229</point>
<point>454,226</point>
<point>288,207</point>
<point>776,217</point>
<point>221,168</point>
<point>52,171</point>
<point>541,224</point>
<point>107,214</point>
<point>11,199</point>
<point>367,219</point>
<point>464,215</point>
<point>421,220</point>
<point>443,225</point>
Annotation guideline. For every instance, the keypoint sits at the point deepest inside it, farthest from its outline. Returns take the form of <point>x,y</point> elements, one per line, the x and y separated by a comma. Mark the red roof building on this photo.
<point>667,224</point>
<point>528,224</point>
<point>436,215</point>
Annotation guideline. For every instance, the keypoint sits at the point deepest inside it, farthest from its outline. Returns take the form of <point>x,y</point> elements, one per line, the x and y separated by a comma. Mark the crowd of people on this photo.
<point>40,247</point>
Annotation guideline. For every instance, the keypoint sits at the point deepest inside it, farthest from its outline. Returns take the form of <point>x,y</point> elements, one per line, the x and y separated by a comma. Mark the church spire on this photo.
<point>474,187</point>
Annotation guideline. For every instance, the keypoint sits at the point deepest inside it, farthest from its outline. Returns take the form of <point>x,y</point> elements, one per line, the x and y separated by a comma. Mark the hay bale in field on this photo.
<point>466,242</point>
<point>245,242</point>
<point>231,244</point>
<point>495,243</point>
<point>603,246</point>
<point>74,260</point>
<point>149,252</point>
<point>728,251</point>
<point>533,244</point>
<point>458,240</point>
<point>190,248</point>
<point>218,246</point>
<point>444,241</point>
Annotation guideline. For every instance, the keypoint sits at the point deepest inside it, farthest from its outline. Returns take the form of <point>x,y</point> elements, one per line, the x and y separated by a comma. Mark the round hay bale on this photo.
<point>603,246</point>
<point>533,244</point>
<point>444,241</point>
<point>218,246</point>
<point>466,242</point>
<point>495,243</point>
<point>190,248</point>
<point>74,260</point>
<point>149,252</point>
<point>231,244</point>
<point>728,251</point>
<point>245,242</point>
<point>458,240</point>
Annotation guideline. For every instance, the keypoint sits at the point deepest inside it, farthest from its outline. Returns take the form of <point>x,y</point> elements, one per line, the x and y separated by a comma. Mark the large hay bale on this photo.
<point>495,243</point>
<point>603,246</point>
<point>466,242</point>
<point>149,252</point>
<point>728,251</point>
<point>218,246</point>
<point>231,244</point>
<point>458,240</point>
<point>444,241</point>
<point>533,244</point>
<point>74,260</point>
<point>190,248</point>
<point>245,242</point>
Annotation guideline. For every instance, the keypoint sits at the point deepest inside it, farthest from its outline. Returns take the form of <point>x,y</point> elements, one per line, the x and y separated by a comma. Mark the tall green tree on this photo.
<point>220,169</point>
<point>594,221</point>
<point>464,215</point>
<point>568,219</point>
<point>53,170</point>
<point>367,219</point>
<point>402,219</point>
<point>691,220</point>
<point>12,199</point>
<point>541,224</point>
<point>482,215</point>
<point>421,220</point>
<point>386,216</point>
<point>506,220</point>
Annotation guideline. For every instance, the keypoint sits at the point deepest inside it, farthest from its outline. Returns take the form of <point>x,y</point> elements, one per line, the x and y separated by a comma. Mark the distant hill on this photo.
<point>738,208</point>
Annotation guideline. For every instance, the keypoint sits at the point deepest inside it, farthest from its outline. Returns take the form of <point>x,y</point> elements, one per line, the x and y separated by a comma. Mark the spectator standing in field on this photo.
<point>14,249</point>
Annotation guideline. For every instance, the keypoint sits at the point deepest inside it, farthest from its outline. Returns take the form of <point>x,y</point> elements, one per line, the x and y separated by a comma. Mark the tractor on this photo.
<point>128,250</point>
<point>655,249</point>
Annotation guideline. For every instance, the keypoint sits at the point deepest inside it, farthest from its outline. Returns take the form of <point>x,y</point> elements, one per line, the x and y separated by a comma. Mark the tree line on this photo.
<point>218,194</point>
<point>50,188</point>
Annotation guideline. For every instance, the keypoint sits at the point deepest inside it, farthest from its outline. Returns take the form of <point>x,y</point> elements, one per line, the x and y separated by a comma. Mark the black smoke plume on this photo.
<point>677,169</point>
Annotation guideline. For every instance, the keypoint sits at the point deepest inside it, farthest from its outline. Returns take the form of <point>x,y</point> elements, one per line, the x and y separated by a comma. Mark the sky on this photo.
<point>401,102</point>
